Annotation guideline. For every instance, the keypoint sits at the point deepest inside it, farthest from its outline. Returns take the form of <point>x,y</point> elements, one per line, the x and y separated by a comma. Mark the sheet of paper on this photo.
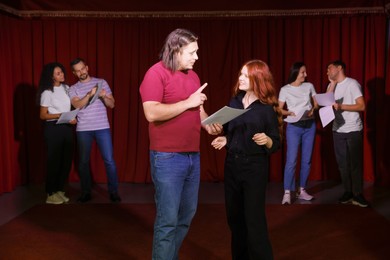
<point>325,99</point>
<point>96,96</point>
<point>326,115</point>
<point>67,116</point>
<point>301,115</point>
<point>224,115</point>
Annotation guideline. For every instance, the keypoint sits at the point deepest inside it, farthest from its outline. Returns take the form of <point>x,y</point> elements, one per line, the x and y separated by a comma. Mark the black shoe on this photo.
<point>360,201</point>
<point>346,198</point>
<point>114,197</point>
<point>84,198</point>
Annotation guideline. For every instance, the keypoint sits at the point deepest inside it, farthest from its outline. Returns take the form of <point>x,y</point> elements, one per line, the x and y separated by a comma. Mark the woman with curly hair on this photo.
<point>249,140</point>
<point>54,100</point>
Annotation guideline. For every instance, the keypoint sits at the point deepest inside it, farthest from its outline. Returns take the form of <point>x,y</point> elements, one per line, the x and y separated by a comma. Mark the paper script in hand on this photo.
<point>326,113</point>
<point>301,115</point>
<point>224,115</point>
<point>325,99</point>
<point>66,117</point>
<point>96,96</point>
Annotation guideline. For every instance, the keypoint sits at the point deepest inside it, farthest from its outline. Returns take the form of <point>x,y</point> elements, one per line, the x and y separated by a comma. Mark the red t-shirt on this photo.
<point>181,133</point>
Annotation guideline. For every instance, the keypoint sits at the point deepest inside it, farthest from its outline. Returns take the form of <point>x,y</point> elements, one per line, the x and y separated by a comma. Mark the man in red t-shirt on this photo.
<point>173,104</point>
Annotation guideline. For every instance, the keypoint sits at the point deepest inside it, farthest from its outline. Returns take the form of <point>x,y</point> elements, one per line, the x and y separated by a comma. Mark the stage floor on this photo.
<point>325,192</point>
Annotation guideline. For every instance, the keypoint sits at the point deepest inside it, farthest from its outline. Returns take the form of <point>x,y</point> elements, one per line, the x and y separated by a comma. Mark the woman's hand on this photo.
<point>73,121</point>
<point>291,113</point>
<point>219,142</point>
<point>262,139</point>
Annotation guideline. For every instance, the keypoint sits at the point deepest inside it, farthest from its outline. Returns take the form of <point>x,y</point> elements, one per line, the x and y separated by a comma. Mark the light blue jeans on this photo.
<point>176,179</point>
<point>298,137</point>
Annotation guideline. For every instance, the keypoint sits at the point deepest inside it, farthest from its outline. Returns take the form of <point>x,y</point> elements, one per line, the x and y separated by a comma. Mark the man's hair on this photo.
<point>76,61</point>
<point>172,46</point>
<point>338,63</point>
<point>294,71</point>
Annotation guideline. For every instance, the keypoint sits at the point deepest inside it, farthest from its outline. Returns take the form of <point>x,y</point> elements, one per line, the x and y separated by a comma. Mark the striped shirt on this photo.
<point>94,116</point>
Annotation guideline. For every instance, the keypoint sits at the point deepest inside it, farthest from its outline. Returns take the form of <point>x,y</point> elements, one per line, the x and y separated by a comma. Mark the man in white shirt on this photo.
<point>348,132</point>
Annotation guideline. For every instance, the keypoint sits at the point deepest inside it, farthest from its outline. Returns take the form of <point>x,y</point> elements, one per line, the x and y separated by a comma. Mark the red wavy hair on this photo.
<point>262,82</point>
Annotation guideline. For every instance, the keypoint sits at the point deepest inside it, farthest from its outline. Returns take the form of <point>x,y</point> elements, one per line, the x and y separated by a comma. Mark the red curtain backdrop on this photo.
<point>121,50</point>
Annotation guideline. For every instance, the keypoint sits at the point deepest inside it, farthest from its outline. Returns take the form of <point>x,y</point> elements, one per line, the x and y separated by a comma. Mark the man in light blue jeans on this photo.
<point>173,104</point>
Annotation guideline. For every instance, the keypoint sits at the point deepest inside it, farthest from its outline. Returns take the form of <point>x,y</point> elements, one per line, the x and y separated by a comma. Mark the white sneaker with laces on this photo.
<point>303,195</point>
<point>54,199</point>
<point>286,198</point>
<point>61,194</point>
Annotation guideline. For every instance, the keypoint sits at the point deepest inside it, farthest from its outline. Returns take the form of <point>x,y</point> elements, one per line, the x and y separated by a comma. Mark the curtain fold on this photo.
<point>121,51</point>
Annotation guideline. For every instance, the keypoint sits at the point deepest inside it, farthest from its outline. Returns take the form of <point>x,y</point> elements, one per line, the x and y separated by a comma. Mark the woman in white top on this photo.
<point>298,95</point>
<point>54,100</point>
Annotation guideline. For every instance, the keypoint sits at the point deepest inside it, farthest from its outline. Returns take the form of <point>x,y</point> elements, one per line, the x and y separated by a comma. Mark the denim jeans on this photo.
<point>295,137</point>
<point>176,179</point>
<point>103,140</point>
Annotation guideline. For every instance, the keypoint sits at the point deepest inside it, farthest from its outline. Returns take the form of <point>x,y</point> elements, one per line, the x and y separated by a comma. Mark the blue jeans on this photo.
<point>176,179</point>
<point>295,137</point>
<point>103,140</point>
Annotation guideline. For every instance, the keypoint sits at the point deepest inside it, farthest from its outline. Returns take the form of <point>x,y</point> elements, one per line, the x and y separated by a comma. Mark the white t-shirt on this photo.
<point>346,92</point>
<point>56,101</point>
<point>297,98</point>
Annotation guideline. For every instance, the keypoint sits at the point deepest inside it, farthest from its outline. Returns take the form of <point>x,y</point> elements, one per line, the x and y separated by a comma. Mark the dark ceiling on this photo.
<point>42,7</point>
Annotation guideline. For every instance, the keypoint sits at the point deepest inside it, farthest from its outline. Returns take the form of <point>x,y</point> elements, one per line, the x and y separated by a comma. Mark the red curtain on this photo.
<point>121,50</point>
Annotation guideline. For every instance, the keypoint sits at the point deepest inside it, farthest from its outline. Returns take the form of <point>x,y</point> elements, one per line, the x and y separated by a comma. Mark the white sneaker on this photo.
<point>61,194</point>
<point>286,198</point>
<point>54,199</point>
<point>303,195</point>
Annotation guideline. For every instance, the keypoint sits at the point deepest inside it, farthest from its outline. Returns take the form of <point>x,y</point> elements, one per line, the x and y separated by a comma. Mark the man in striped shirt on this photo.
<point>92,124</point>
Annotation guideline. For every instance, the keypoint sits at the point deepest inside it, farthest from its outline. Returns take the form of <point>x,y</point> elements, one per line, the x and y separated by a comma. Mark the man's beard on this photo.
<point>84,76</point>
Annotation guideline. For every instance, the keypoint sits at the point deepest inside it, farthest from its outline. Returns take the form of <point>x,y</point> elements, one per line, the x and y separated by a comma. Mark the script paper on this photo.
<point>326,115</point>
<point>224,115</point>
<point>66,117</point>
<point>99,88</point>
<point>301,115</point>
<point>326,99</point>
<point>326,112</point>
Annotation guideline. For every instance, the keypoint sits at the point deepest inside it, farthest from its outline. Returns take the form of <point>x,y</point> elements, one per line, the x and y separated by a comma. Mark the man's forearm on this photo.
<point>109,101</point>
<point>79,103</point>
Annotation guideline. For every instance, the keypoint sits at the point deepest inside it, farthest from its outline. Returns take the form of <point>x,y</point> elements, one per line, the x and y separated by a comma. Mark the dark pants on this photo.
<point>348,149</point>
<point>59,143</point>
<point>245,185</point>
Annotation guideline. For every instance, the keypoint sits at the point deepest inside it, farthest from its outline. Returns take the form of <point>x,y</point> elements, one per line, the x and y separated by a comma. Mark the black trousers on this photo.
<point>348,149</point>
<point>246,179</point>
<point>59,143</point>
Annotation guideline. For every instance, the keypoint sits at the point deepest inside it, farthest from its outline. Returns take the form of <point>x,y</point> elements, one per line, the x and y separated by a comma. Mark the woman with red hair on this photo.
<point>249,140</point>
